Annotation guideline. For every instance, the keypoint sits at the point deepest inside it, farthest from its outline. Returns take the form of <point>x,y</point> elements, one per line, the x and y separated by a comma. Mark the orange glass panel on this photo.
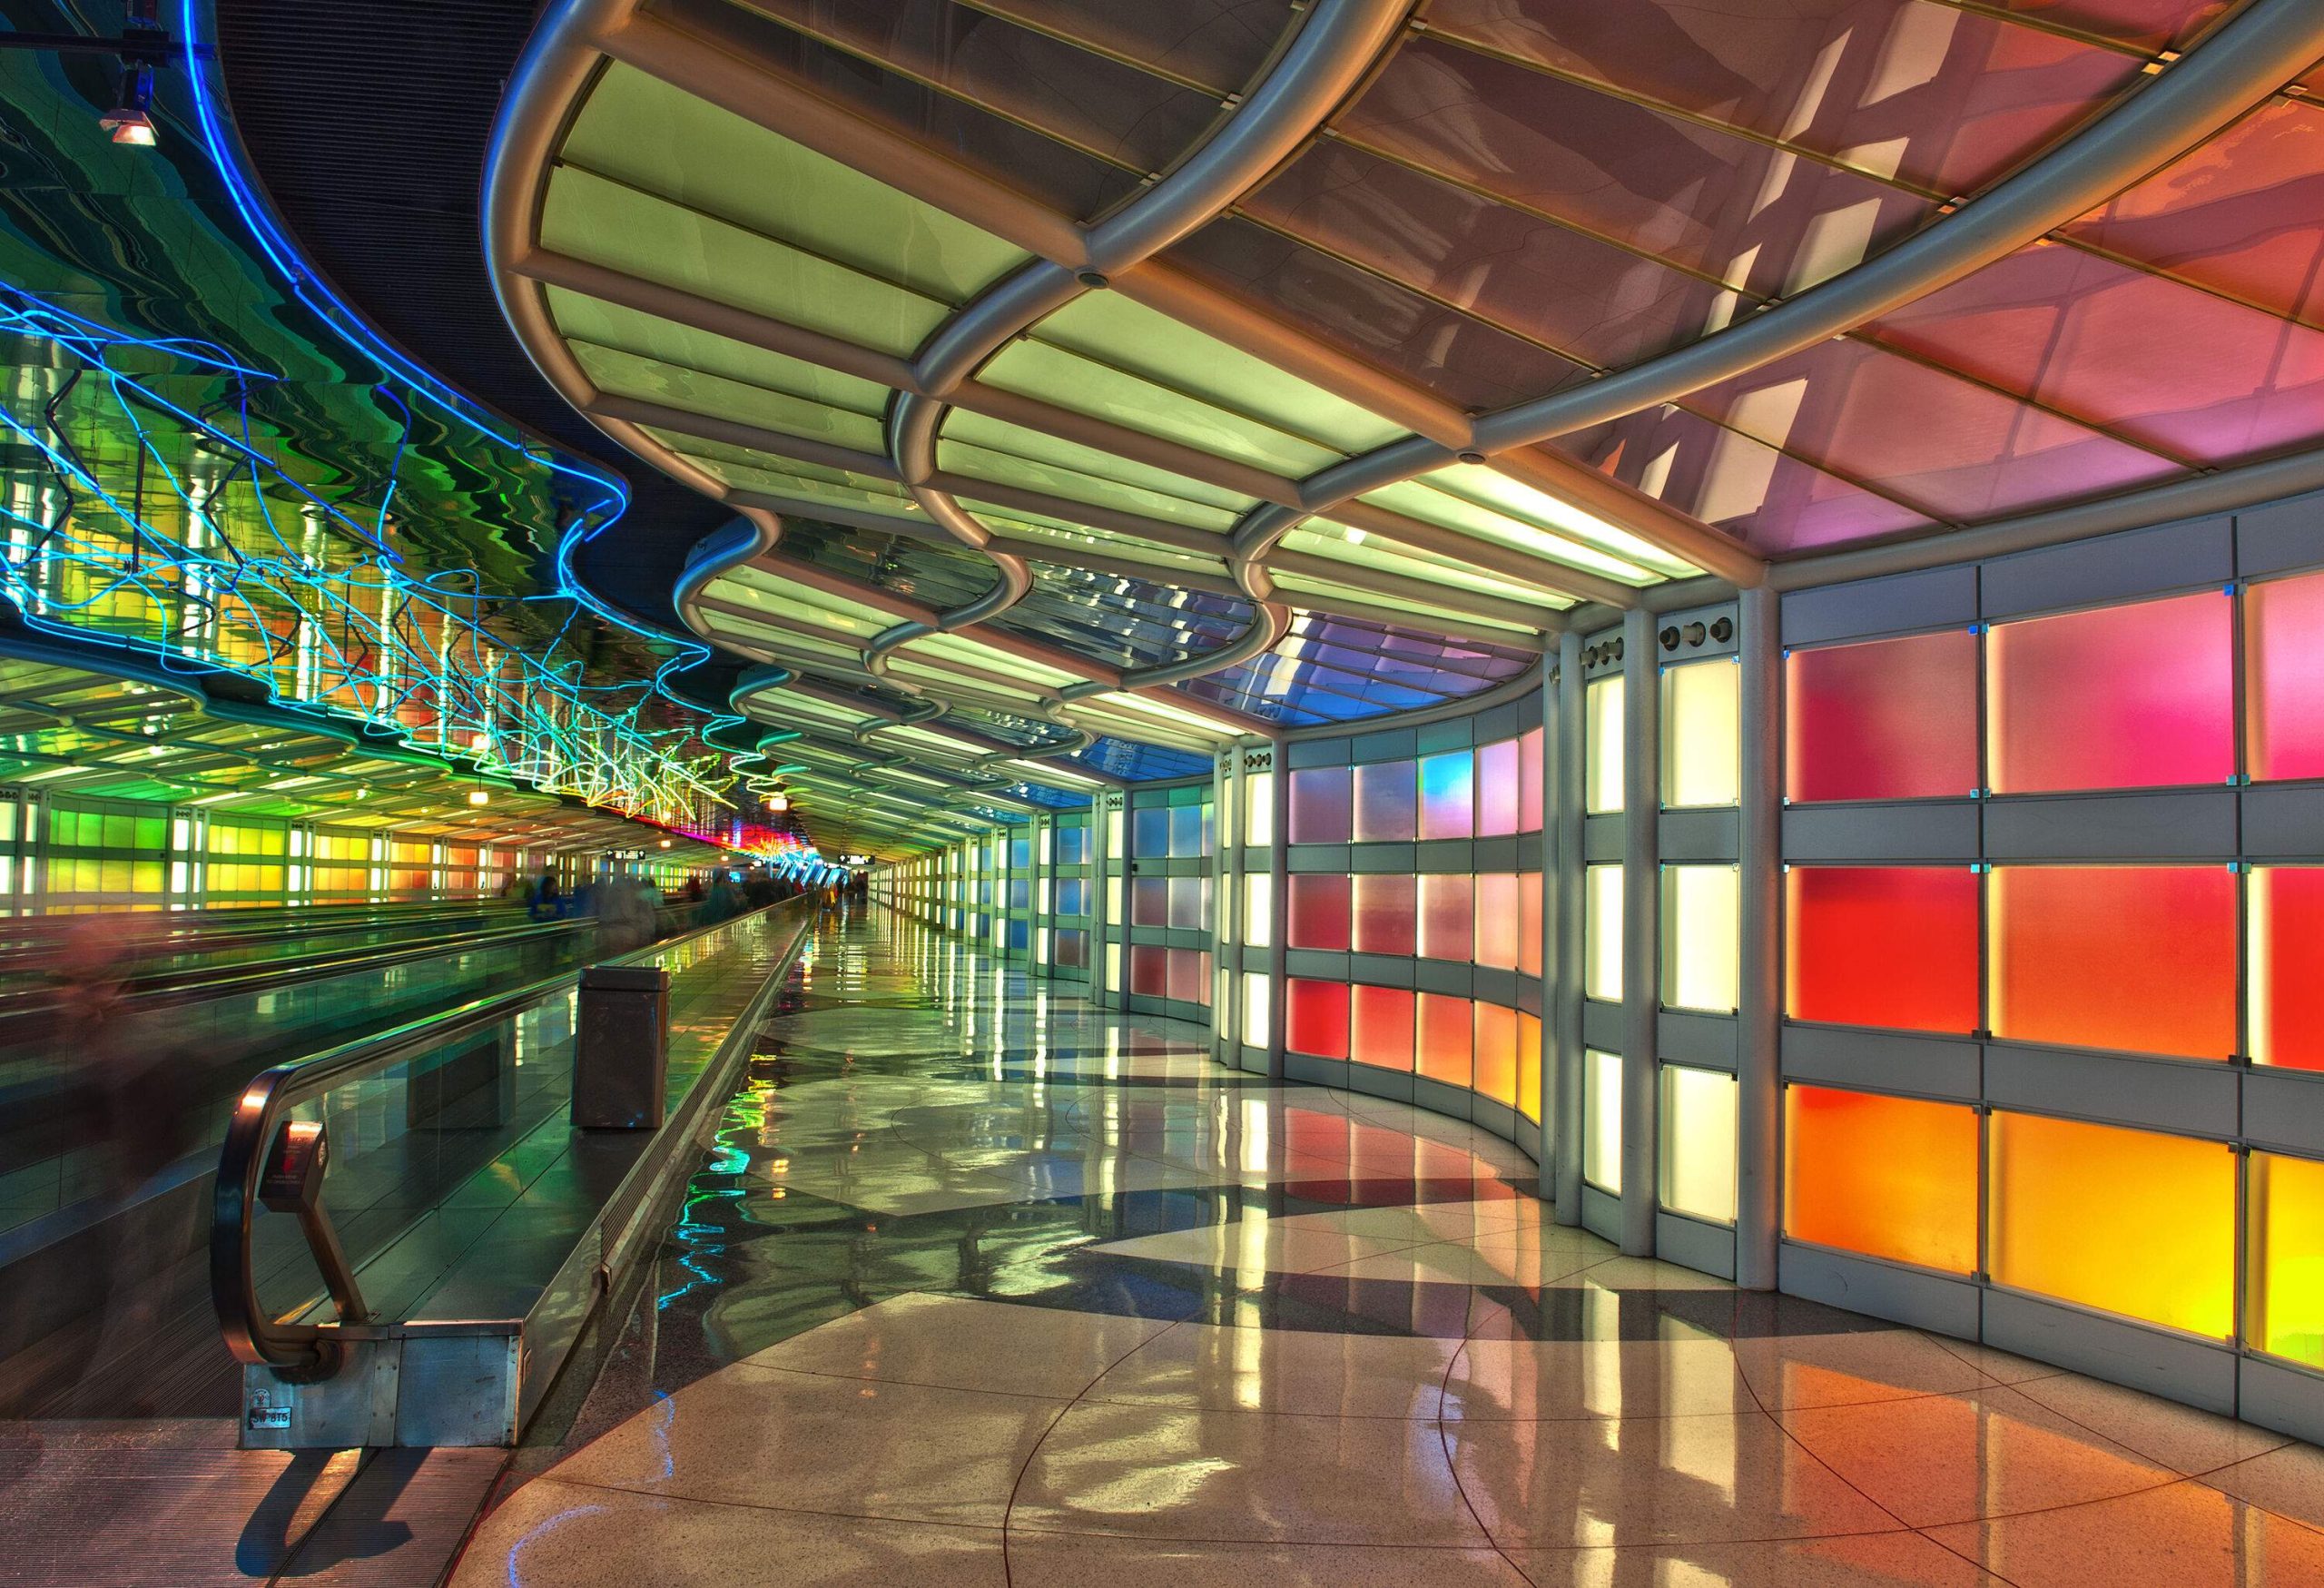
<point>1496,1054</point>
<point>2141,959</point>
<point>1497,921</point>
<point>1882,946</point>
<point>1888,719</point>
<point>2126,1221</point>
<point>2286,990</point>
<point>1445,1039</point>
<point>1529,781</point>
<point>2283,676</point>
<point>1529,1066</point>
<point>2287,1317</point>
<point>1889,1177</point>
<point>1529,924</point>
<point>1380,1027</point>
<point>2138,696</point>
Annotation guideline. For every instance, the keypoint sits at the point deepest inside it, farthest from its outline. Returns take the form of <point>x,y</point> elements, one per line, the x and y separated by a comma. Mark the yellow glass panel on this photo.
<point>1258,910</point>
<point>1601,937</point>
<point>1529,1066</point>
<point>1697,1168</point>
<point>1602,757</point>
<point>2126,1221</point>
<point>1701,937</point>
<point>1602,1120</point>
<point>1701,734</point>
<point>2287,1315</point>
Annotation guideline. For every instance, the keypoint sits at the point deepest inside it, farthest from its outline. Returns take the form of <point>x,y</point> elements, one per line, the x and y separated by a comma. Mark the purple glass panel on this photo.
<point>1386,914</point>
<point>2077,332</point>
<point>1320,807</point>
<point>1387,802</point>
<point>1497,789</point>
<point>1954,98</point>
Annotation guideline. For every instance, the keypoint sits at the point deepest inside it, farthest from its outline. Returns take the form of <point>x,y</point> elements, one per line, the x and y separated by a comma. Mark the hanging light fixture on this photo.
<point>131,119</point>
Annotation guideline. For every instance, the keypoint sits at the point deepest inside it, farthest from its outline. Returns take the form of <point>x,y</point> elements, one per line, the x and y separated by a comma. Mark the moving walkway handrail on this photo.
<point>249,1334</point>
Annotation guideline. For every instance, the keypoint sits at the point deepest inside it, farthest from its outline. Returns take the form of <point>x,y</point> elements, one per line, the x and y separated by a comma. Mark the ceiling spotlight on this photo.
<point>131,119</point>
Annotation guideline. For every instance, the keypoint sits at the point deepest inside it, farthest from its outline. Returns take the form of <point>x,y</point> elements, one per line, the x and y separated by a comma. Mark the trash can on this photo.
<point>621,1058</point>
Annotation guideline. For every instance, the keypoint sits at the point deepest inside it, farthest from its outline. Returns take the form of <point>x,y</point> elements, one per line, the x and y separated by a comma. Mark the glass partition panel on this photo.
<point>2136,697</point>
<point>1387,802</point>
<point>2140,958</point>
<point>1698,1157</point>
<point>1891,946</point>
<point>1889,1177</point>
<point>1702,743</point>
<point>1887,719</point>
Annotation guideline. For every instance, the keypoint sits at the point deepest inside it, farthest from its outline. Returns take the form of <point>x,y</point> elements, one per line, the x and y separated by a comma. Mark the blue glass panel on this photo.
<point>1149,834</point>
<point>1021,854</point>
<point>1187,831</point>
<point>1021,894</point>
<point>1135,763</point>
<point>1073,897</point>
<point>1073,845</point>
<point>1055,799</point>
<point>1123,623</point>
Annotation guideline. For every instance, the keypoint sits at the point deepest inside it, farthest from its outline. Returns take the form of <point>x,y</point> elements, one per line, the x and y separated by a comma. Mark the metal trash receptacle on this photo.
<point>621,1048</point>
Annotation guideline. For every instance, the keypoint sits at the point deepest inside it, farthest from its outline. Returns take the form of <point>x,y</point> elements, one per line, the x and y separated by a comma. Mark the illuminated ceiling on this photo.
<point>1159,374</point>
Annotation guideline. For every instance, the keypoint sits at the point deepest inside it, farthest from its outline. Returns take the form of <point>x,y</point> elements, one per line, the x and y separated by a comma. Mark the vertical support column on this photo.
<point>1562,793</point>
<point>1759,993</point>
<point>1226,907</point>
<point>1279,907</point>
<point>1641,927</point>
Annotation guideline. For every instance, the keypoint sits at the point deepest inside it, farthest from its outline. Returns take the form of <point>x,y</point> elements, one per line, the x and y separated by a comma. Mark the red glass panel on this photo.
<point>1149,971</point>
<point>1883,946</point>
<point>2138,697</point>
<point>1320,807</point>
<point>1529,782</point>
<point>1387,802</point>
<point>1447,917</point>
<point>1386,912</point>
<point>1318,915</point>
<point>1497,921</point>
<point>1316,1018</point>
<point>2288,966</point>
<point>1497,789</point>
<point>2141,959</point>
<point>1496,1054</point>
<point>1446,1037</point>
<point>1381,1031</point>
<point>2283,658</point>
<point>1889,719</point>
<point>1529,924</point>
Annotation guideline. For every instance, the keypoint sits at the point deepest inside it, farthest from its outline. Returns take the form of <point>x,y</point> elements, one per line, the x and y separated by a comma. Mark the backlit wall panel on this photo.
<point>1387,802</point>
<point>1315,1016</point>
<point>1446,1042</point>
<point>1499,789</point>
<point>1447,916</point>
<point>1698,1157</point>
<point>1380,1029</point>
<point>1318,914</point>
<point>1321,811</point>
<point>1885,719</point>
<point>2283,675</point>
<point>2287,1224</point>
<point>2126,1221</point>
<point>2140,958</point>
<point>1701,937</point>
<point>1386,912</point>
<point>1601,941</point>
<point>1499,918</point>
<point>1496,1052</point>
<point>1601,1120</point>
<point>2137,696</point>
<point>1448,795</point>
<point>1701,745</point>
<point>1892,946</point>
<point>1893,1178</point>
<point>1601,756</point>
<point>2286,973</point>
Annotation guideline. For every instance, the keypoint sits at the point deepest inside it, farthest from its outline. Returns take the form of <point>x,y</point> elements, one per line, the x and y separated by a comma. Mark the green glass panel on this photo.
<point>152,832</point>
<point>998,436</point>
<point>788,642</point>
<point>626,375</point>
<point>1401,606</point>
<point>955,648</point>
<point>768,592</point>
<point>1360,549</point>
<point>617,227</point>
<point>1479,483</point>
<point>1002,469</point>
<point>582,318</point>
<point>1416,498</point>
<point>661,138</point>
<point>1041,529</point>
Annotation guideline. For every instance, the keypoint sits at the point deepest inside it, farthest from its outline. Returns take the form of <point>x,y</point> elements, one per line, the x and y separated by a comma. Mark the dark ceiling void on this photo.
<point>368,125</point>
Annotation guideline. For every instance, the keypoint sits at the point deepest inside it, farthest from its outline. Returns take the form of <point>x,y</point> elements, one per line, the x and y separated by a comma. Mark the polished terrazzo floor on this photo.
<point>982,1286</point>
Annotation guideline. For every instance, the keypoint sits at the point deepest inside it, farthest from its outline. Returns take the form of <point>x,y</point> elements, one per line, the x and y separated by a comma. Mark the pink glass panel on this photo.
<point>1386,908</point>
<point>1498,921</point>
<point>2138,696</point>
<point>1387,802</point>
<point>1190,976</point>
<point>1497,789</point>
<point>1529,924</point>
<point>2150,25</point>
<point>1149,970</point>
<point>1448,795</point>
<point>1150,902</point>
<point>1529,782</point>
<point>2283,659</point>
<point>1888,719</point>
<point>1496,1054</point>
<point>1446,1038</point>
<point>1320,805</point>
<point>1447,916</point>
<point>1381,1026</point>
<point>1316,1018</point>
<point>1318,914</point>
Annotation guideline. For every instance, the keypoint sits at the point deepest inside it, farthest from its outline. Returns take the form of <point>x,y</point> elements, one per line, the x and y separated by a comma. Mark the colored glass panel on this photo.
<point>1702,744</point>
<point>1387,802</point>
<point>1529,750</point>
<point>1529,924</point>
<point>1189,832</point>
<point>1190,976</point>
<point>1190,903</point>
<point>1149,970</point>
<point>1258,809</point>
<point>1889,1177</point>
<point>1150,902</point>
<point>1448,795</point>
<point>2137,696</point>
<point>1258,910</point>
<point>1602,932</point>
<point>1602,1120</point>
<point>1601,750</point>
<point>1381,1026</point>
<point>1316,1018</point>
<point>1498,922</point>
<point>1257,986</point>
<point>2283,676</point>
<point>1386,914</point>
<point>1447,916</point>
<point>1150,834</point>
<point>2140,958</point>
<point>1701,937</point>
<point>1529,1066</point>
<point>1499,789</point>
<point>1496,1052</point>
<point>1320,805</point>
<point>1888,719</point>
<point>1882,946</point>
<point>2286,1261</point>
<point>1445,1039</point>
<point>1698,1159</point>
<point>2126,1221</point>
<point>1318,911</point>
<point>2287,966</point>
